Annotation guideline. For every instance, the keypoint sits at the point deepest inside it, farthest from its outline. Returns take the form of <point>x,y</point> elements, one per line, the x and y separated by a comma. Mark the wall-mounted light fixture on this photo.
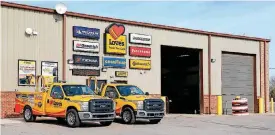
<point>142,72</point>
<point>70,61</point>
<point>104,69</point>
<point>213,60</point>
<point>30,32</point>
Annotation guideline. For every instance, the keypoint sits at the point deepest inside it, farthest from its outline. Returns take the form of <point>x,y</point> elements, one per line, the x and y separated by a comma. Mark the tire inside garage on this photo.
<point>238,76</point>
<point>180,79</point>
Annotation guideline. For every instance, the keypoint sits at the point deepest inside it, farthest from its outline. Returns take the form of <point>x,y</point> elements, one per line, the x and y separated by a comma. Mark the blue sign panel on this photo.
<point>84,32</point>
<point>114,62</point>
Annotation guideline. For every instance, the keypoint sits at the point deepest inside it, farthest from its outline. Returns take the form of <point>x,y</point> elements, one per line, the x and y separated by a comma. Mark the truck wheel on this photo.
<point>72,118</point>
<point>28,115</point>
<point>128,116</point>
<point>155,121</point>
<point>106,123</point>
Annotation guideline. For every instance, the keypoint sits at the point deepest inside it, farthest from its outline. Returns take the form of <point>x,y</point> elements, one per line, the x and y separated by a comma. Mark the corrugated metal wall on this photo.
<point>46,46</point>
<point>146,81</point>
<point>237,80</point>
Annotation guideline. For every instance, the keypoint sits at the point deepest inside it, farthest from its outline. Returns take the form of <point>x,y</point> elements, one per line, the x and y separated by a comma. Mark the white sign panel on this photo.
<point>140,39</point>
<point>49,68</point>
<point>86,46</point>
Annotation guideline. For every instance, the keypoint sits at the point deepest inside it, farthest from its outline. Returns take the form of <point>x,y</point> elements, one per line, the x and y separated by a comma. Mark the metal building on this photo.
<point>229,65</point>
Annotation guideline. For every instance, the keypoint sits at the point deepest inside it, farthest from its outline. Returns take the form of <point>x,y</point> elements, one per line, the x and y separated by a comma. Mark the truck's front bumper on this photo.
<point>88,116</point>
<point>141,114</point>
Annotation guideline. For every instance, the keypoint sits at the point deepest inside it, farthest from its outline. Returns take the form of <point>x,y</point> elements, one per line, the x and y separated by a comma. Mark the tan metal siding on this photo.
<point>231,45</point>
<point>46,46</point>
<point>150,81</point>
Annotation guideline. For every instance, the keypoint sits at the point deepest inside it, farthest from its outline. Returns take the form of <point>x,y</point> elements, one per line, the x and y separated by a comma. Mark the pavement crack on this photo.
<point>239,126</point>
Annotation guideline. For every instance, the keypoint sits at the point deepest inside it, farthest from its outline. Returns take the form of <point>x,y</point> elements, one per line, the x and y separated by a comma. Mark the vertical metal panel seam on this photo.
<point>209,71</point>
<point>64,48</point>
<point>260,55</point>
<point>265,97</point>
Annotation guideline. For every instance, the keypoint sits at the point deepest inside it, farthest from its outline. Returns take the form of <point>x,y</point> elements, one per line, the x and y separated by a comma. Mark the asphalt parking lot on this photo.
<point>171,125</point>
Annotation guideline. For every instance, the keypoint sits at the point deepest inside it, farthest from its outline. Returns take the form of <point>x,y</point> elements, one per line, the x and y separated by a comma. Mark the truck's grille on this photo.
<point>153,105</point>
<point>101,106</point>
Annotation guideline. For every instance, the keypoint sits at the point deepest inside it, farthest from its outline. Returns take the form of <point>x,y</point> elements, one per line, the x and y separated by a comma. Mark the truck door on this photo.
<point>55,103</point>
<point>111,92</point>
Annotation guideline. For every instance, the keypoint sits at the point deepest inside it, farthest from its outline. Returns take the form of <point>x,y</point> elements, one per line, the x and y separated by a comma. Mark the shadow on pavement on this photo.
<point>120,121</point>
<point>64,124</point>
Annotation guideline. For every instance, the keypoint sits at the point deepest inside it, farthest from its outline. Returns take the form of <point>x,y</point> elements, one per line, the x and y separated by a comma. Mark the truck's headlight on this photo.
<point>114,105</point>
<point>139,105</point>
<point>84,106</point>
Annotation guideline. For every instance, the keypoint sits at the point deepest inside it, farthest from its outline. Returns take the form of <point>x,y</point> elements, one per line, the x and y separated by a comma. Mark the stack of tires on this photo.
<point>240,106</point>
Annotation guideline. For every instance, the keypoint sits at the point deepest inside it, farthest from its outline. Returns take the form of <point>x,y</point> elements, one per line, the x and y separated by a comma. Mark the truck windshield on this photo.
<point>127,90</point>
<point>71,90</point>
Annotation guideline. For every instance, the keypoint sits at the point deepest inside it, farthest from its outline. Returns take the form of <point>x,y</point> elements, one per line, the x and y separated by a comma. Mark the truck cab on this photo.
<point>72,103</point>
<point>132,103</point>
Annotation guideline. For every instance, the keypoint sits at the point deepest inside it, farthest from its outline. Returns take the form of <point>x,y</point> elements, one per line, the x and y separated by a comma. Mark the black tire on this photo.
<point>128,116</point>
<point>72,114</point>
<point>106,123</point>
<point>28,114</point>
<point>155,121</point>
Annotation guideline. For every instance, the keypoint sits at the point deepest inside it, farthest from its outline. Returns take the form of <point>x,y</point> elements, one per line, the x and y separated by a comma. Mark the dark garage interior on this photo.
<point>180,79</point>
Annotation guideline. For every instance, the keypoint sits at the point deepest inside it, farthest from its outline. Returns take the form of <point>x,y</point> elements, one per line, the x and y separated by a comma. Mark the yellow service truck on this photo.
<point>132,103</point>
<point>71,103</point>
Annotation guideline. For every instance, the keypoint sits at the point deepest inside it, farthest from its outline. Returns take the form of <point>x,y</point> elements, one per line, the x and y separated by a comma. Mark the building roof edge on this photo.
<point>48,10</point>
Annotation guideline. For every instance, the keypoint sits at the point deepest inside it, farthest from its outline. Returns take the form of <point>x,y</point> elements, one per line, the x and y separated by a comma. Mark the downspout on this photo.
<point>209,72</point>
<point>64,48</point>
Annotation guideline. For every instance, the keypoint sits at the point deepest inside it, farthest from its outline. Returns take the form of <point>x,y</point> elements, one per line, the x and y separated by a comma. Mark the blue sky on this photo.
<point>249,18</point>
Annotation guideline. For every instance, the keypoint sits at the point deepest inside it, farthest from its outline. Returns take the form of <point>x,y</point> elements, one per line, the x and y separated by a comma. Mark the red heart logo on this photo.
<point>116,30</point>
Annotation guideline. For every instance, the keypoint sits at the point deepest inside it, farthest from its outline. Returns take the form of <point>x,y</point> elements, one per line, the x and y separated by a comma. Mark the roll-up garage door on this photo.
<point>237,80</point>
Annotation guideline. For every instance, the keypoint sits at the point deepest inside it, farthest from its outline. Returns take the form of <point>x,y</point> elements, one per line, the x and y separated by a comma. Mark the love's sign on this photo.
<point>114,40</point>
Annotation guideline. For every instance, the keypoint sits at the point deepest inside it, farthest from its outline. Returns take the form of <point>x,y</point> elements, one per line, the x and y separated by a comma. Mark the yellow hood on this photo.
<point>85,97</point>
<point>139,97</point>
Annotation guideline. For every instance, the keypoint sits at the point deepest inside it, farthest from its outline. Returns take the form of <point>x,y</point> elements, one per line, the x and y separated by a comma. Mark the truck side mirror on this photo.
<point>111,94</point>
<point>146,93</point>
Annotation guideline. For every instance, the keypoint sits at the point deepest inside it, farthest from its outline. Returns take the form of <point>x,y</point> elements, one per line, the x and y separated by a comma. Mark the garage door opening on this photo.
<point>238,79</point>
<point>180,78</point>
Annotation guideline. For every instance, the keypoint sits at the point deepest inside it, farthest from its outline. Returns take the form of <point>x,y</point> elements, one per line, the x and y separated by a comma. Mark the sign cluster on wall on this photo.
<point>27,71</point>
<point>115,46</point>
<point>86,47</point>
<point>136,51</point>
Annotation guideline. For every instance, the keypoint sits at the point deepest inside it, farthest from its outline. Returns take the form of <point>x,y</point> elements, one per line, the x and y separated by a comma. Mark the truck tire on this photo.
<point>28,115</point>
<point>106,123</point>
<point>72,118</point>
<point>128,116</point>
<point>155,121</point>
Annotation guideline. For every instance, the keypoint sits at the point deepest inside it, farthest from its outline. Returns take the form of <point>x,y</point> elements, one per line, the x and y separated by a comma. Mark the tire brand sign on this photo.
<point>140,64</point>
<point>114,62</point>
<point>86,60</point>
<point>121,73</point>
<point>140,39</point>
<point>85,46</point>
<point>139,51</point>
<point>86,72</point>
<point>85,32</point>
